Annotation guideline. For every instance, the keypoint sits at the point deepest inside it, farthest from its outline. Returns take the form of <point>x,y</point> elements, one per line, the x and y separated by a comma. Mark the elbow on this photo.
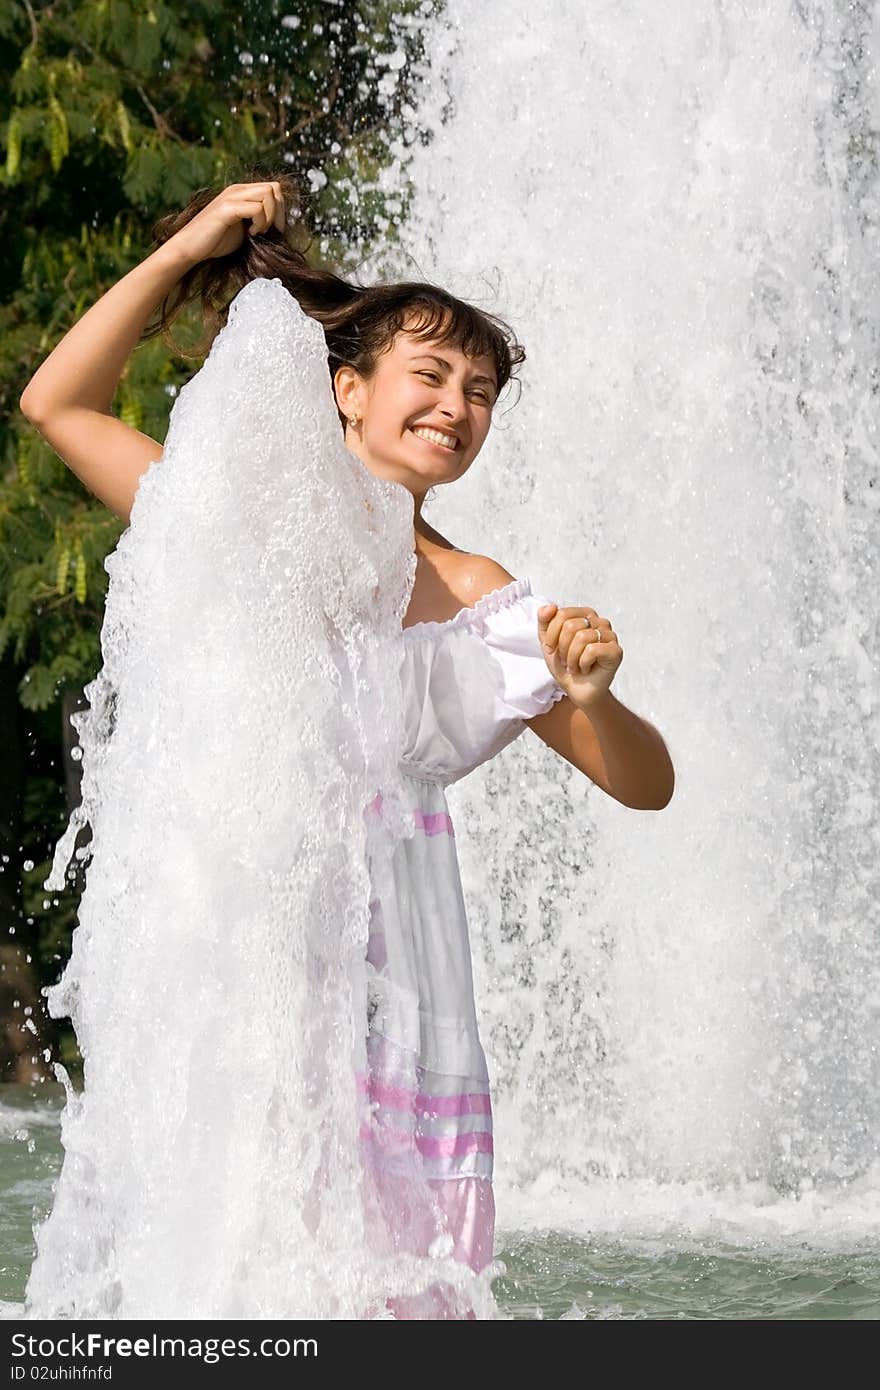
<point>662,802</point>
<point>658,799</point>
<point>29,406</point>
<point>663,783</point>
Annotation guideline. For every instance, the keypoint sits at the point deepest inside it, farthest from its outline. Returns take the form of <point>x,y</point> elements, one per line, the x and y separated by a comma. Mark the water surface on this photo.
<point>550,1273</point>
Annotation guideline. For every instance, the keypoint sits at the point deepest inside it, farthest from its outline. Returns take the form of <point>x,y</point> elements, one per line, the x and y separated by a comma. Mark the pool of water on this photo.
<point>557,1275</point>
<point>655,1265</point>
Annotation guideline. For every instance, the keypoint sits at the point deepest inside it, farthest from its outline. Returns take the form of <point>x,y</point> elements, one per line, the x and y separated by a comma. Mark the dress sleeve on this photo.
<point>510,630</point>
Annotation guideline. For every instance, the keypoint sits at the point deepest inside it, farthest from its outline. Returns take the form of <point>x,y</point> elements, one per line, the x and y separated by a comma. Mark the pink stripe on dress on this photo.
<point>434,822</point>
<point>431,822</point>
<point>423,1186</point>
<point>474,1141</point>
<point>396,1098</point>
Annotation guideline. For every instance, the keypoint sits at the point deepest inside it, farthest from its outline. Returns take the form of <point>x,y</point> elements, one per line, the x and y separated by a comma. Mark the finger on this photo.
<point>583,638</point>
<point>279,207</point>
<point>575,616</point>
<point>554,659</point>
<point>545,613</point>
<point>587,657</point>
<point>257,211</point>
<point>564,640</point>
<point>575,628</point>
<point>594,651</point>
<point>585,641</point>
<point>263,221</point>
<point>259,218</point>
<point>246,208</point>
<point>545,617</point>
<point>551,626</point>
<point>579,643</point>
<point>257,188</point>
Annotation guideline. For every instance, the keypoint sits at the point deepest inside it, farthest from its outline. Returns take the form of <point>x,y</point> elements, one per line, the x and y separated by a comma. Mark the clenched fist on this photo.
<point>581,651</point>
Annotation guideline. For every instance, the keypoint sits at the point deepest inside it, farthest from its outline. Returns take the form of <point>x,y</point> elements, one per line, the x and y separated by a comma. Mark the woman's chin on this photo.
<point>412,473</point>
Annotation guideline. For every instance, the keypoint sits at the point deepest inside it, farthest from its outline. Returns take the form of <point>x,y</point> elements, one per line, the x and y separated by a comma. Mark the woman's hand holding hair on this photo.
<point>83,370</point>
<point>219,228</point>
<point>69,397</point>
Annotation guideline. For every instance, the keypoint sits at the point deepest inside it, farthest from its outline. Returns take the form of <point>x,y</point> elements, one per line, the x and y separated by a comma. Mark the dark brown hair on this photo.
<point>359,322</point>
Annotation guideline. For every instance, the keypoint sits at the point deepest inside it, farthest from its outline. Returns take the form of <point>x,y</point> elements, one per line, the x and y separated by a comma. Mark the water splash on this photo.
<point>247,711</point>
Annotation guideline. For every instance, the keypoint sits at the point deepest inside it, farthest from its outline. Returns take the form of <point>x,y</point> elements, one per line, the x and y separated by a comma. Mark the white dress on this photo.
<point>469,683</point>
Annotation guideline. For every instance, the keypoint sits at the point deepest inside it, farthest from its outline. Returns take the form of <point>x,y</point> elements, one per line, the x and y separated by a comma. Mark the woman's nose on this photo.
<point>453,405</point>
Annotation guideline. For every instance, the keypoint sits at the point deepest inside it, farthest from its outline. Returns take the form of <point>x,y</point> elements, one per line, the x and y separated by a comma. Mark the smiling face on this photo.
<point>423,415</point>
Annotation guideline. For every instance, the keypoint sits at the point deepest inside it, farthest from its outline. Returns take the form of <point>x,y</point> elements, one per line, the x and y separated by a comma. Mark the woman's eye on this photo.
<point>479,395</point>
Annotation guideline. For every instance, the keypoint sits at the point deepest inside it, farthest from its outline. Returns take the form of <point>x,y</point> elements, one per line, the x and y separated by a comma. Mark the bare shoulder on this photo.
<point>478,575</point>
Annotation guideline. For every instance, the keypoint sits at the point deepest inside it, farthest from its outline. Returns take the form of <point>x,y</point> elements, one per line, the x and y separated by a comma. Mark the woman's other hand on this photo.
<point>581,651</point>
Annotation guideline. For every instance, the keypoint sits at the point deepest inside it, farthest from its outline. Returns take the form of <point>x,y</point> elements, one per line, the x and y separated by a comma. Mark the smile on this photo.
<point>444,441</point>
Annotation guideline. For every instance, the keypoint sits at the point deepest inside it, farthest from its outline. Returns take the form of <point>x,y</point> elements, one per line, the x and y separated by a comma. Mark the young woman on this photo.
<point>416,373</point>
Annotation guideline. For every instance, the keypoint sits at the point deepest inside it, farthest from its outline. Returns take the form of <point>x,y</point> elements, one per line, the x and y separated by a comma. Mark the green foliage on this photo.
<point>112,113</point>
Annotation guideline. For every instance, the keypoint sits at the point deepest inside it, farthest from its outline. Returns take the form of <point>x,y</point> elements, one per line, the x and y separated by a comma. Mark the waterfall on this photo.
<point>677,208</point>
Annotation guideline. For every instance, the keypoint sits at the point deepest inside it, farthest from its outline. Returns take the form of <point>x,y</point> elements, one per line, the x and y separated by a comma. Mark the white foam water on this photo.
<point>247,711</point>
<point>678,209</point>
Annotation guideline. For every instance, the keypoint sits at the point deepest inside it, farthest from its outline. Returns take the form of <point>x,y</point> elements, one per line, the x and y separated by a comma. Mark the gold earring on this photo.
<point>352,420</point>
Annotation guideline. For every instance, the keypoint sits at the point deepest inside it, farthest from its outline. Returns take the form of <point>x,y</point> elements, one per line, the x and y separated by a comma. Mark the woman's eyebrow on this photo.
<point>443,363</point>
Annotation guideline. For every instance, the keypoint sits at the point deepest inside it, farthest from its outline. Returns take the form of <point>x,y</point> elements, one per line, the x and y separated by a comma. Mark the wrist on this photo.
<point>171,259</point>
<point>596,702</point>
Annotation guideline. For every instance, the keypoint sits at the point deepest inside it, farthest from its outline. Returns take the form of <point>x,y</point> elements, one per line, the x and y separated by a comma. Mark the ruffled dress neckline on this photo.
<point>492,602</point>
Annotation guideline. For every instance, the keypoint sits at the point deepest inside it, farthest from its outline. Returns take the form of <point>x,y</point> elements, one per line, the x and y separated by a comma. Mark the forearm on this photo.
<point>84,369</point>
<point>638,766</point>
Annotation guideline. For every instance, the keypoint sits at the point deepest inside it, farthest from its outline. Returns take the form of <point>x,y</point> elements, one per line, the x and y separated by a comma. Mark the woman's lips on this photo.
<point>436,437</point>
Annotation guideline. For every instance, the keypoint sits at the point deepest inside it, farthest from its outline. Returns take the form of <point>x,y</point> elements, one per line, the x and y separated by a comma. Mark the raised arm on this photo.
<point>69,397</point>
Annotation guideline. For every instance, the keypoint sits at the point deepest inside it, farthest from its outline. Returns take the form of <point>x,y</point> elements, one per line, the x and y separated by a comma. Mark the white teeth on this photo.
<point>436,436</point>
